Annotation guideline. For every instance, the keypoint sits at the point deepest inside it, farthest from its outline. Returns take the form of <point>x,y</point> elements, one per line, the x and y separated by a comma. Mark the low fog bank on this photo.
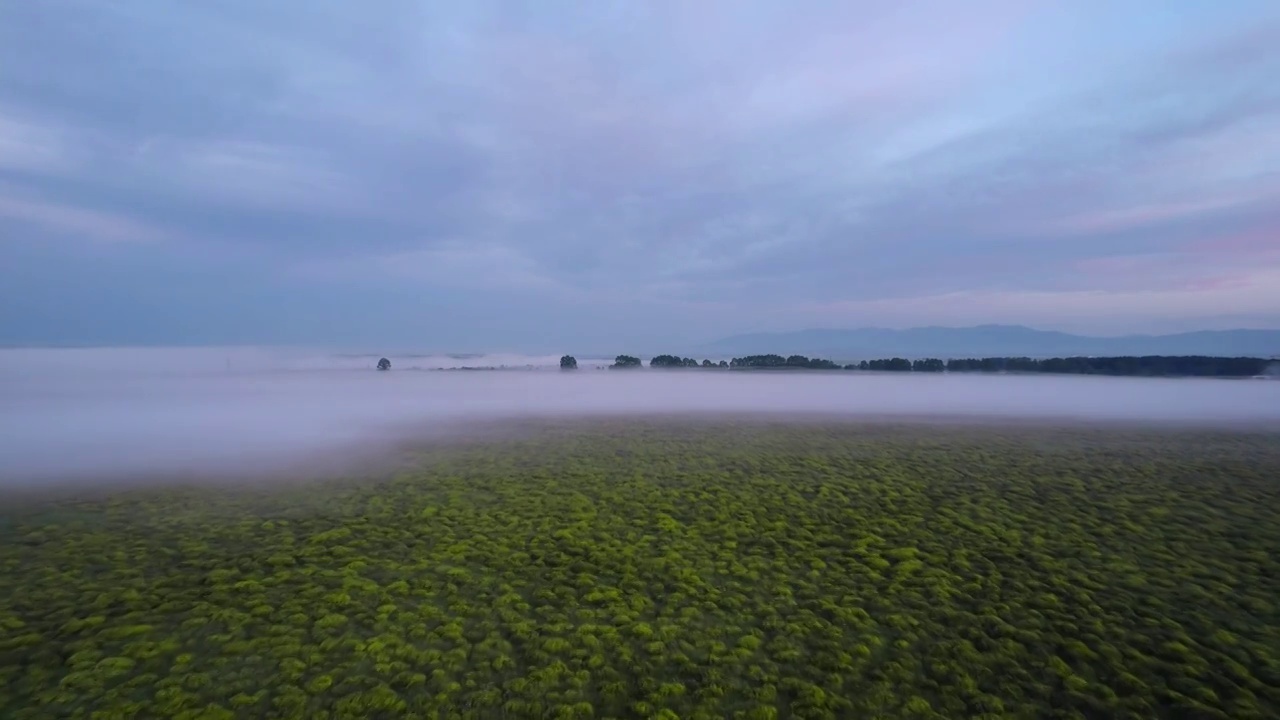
<point>59,422</point>
<point>18,363</point>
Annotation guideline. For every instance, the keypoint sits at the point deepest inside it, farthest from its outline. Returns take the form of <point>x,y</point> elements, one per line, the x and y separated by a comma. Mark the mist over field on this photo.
<point>107,413</point>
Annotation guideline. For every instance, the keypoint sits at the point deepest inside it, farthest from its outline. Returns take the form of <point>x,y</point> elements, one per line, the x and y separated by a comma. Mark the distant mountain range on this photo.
<point>993,341</point>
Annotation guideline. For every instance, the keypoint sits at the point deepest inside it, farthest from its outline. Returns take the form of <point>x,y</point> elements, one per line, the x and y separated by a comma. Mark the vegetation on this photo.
<point>1150,365</point>
<point>626,361</point>
<point>668,570</point>
<point>749,362</point>
<point>673,361</point>
<point>890,365</point>
<point>568,362</point>
<point>384,364</point>
<point>777,361</point>
<point>1147,365</point>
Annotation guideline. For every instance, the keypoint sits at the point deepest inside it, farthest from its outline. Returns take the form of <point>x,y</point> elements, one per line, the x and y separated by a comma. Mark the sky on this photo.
<point>609,175</point>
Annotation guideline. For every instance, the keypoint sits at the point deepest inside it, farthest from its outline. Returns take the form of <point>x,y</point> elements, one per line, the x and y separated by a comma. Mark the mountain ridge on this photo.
<point>995,340</point>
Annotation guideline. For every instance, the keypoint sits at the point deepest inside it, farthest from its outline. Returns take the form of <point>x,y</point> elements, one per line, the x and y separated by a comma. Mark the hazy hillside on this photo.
<point>993,340</point>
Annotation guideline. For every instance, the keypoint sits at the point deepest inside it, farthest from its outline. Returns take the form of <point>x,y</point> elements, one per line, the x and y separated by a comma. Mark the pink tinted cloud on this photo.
<point>1122,264</point>
<point>1253,293</point>
<point>1229,281</point>
<point>1145,271</point>
<point>1221,170</point>
<point>1216,263</point>
<point>1147,214</point>
<point>1261,242</point>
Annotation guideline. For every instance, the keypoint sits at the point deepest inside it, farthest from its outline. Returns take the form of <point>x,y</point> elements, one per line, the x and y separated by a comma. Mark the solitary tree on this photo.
<point>568,362</point>
<point>626,361</point>
<point>384,364</point>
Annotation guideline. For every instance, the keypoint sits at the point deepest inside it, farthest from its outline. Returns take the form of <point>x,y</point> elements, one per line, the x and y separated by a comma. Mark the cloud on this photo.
<point>468,265</point>
<point>1245,293</point>
<point>1258,243</point>
<point>1160,213</point>
<point>27,146</point>
<point>249,174</point>
<point>728,158</point>
<point>74,221</point>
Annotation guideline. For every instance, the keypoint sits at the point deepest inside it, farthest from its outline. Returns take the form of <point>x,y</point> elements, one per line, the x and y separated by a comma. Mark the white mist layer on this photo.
<point>75,413</point>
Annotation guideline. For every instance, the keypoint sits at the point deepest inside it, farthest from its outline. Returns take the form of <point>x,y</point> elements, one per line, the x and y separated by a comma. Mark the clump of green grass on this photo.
<point>677,570</point>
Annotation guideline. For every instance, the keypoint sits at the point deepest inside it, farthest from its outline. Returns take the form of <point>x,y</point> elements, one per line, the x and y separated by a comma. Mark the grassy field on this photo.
<point>671,570</point>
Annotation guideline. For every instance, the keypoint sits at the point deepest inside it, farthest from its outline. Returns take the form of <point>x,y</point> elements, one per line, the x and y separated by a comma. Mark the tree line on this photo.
<point>1146,365</point>
<point>674,361</point>
<point>777,361</point>
<point>750,361</point>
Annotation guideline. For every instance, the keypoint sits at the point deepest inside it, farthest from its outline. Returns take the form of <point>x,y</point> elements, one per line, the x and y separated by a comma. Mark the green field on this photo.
<point>669,569</point>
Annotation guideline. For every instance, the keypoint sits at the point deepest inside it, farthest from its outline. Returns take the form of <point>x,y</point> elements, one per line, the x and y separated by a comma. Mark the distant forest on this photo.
<point>1147,366</point>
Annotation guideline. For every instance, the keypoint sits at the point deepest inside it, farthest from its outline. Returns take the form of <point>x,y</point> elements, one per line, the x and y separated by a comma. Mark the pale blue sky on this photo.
<point>532,176</point>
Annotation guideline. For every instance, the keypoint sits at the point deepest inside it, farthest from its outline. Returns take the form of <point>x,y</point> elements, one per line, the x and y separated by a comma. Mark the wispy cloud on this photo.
<point>249,174</point>
<point>1146,215</point>
<point>1244,294</point>
<point>28,146</point>
<point>42,218</point>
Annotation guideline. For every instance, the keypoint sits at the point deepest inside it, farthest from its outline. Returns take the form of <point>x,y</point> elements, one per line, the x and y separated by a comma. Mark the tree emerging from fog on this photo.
<point>674,361</point>
<point>626,362</point>
<point>772,361</point>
